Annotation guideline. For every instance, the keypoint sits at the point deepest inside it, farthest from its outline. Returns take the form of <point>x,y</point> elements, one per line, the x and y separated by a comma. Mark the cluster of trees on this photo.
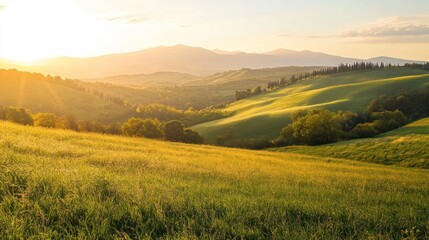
<point>51,120</point>
<point>321,126</point>
<point>16,115</point>
<point>149,128</point>
<point>417,65</point>
<point>114,99</point>
<point>414,104</point>
<point>187,117</point>
<point>173,131</point>
<point>248,93</point>
<point>342,68</point>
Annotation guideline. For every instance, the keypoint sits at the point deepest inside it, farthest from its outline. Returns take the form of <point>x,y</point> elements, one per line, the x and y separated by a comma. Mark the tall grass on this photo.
<point>59,184</point>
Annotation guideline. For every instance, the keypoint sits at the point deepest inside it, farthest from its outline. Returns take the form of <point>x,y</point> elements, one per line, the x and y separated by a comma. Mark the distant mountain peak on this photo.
<point>185,59</point>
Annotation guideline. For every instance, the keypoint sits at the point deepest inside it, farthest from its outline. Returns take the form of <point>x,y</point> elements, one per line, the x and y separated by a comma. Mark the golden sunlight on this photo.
<point>35,31</point>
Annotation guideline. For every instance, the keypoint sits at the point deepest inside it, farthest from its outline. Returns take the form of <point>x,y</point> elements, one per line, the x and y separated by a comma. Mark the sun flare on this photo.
<point>32,30</point>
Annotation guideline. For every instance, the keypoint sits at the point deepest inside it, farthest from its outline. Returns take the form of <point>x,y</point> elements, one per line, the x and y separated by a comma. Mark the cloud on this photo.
<point>392,27</point>
<point>2,7</point>
<point>130,19</point>
<point>411,29</point>
<point>306,36</point>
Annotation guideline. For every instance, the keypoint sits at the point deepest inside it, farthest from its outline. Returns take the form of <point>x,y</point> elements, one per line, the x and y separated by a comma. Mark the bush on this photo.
<point>174,131</point>
<point>192,137</point>
<point>114,129</point>
<point>286,137</point>
<point>364,130</point>
<point>16,115</point>
<point>388,120</point>
<point>148,128</point>
<point>46,120</point>
<point>318,126</point>
<point>90,126</point>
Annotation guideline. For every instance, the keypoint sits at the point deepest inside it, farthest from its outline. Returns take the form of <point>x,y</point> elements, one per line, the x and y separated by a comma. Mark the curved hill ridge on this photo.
<point>407,146</point>
<point>266,114</point>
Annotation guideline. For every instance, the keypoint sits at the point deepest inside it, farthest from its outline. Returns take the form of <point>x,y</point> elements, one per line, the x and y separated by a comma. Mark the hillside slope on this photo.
<point>266,114</point>
<point>406,146</point>
<point>61,184</point>
<point>229,81</point>
<point>246,78</point>
<point>40,94</point>
<point>147,80</point>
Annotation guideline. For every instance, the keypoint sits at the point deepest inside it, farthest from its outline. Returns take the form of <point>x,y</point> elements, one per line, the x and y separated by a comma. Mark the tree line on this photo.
<point>320,126</point>
<point>342,68</point>
<point>172,130</point>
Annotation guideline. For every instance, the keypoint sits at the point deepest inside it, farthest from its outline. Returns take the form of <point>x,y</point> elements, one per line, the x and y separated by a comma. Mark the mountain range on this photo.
<point>183,59</point>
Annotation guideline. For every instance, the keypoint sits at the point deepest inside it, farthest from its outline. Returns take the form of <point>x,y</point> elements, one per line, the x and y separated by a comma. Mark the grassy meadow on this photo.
<point>407,146</point>
<point>44,96</point>
<point>57,184</point>
<point>267,114</point>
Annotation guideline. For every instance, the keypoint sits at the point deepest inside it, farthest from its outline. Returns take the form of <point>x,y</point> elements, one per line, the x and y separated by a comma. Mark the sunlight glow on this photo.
<point>32,30</point>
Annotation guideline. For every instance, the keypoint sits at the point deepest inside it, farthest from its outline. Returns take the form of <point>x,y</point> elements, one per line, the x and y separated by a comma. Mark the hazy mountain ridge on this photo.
<point>183,59</point>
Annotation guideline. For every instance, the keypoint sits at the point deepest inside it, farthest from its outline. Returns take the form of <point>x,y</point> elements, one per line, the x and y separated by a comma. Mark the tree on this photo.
<point>364,130</point>
<point>318,126</point>
<point>113,128</point>
<point>192,137</point>
<point>16,115</point>
<point>46,120</point>
<point>90,126</point>
<point>388,120</point>
<point>257,90</point>
<point>174,131</point>
<point>148,128</point>
<point>286,137</point>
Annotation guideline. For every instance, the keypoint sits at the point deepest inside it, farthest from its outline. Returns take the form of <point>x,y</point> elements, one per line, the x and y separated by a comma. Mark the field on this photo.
<point>407,146</point>
<point>62,184</point>
<point>267,114</point>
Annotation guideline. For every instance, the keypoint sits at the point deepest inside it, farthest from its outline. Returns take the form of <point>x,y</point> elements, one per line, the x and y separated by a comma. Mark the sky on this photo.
<point>31,30</point>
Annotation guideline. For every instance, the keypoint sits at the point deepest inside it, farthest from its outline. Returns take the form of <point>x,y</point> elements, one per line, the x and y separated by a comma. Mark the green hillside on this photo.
<point>249,78</point>
<point>266,114</point>
<point>184,91</point>
<point>60,184</point>
<point>406,146</point>
<point>41,94</point>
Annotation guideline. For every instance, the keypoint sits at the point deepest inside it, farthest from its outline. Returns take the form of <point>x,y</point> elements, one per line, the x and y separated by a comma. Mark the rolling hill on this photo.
<point>62,184</point>
<point>228,80</point>
<point>246,78</point>
<point>266,114</point>
<point>183,59</point>
<point>147,80</point>
<point>407,146</point>
<point>41,94</point>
